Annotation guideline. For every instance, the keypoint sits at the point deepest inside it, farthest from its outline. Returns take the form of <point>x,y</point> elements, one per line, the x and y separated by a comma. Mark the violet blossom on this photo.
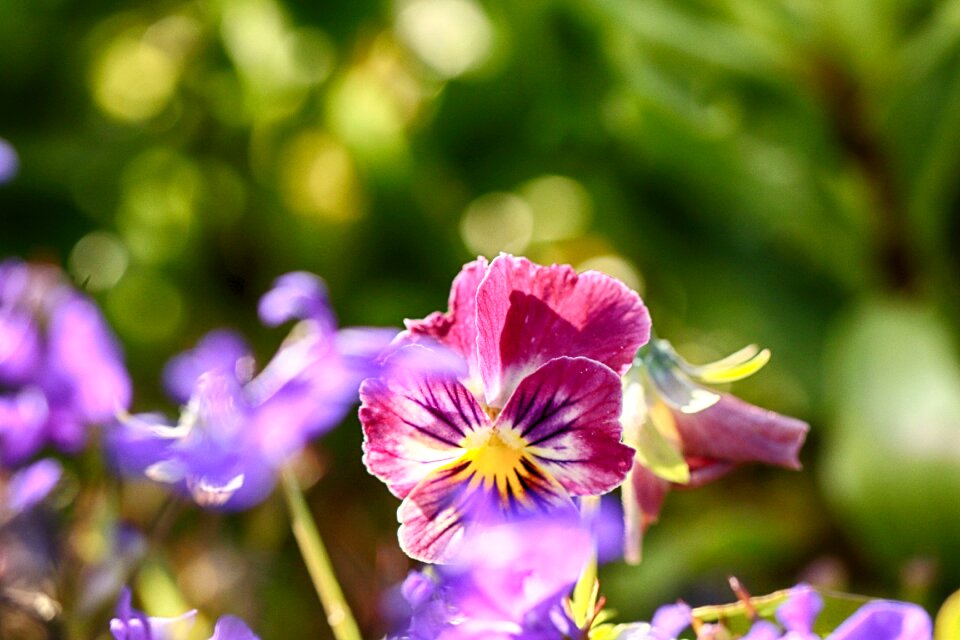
<point>60,367</point>
<point>532,421</point>
<point>238,428</point>
<point>9,161</point>
<point>510,581</point>
<point>795,619</point>
<point>27,487</point>
<point>131,624</point>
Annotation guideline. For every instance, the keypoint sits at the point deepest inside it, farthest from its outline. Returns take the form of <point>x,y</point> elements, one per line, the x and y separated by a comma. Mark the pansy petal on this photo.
<point>528,314</point>
<point>219,349</point>
<point>297,295</point>
<point>81,347</point>
<point>436,513</point>
<point>457,328</point>
<point>885,620</point>
<point>568,413</point>
<point>736,431</point>
<point>413,425</point>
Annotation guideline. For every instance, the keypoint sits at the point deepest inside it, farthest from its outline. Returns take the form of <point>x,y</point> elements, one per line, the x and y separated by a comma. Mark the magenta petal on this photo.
<point>529,314</point>
<point>457,328</point>
<point>568,412</point>
<point>434,515</point>
<point>736,431</point>
<point>413,425</point>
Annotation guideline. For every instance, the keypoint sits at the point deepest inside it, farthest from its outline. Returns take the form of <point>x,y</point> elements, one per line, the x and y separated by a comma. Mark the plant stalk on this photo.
<point>315,556</point>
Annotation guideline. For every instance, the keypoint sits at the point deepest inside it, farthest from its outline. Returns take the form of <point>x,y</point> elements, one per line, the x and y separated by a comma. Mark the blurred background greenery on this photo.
<point>781,172</point>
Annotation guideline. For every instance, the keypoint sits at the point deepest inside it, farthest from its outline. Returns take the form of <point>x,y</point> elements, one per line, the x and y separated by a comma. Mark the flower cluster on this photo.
<point>498,424</point>
<point>60,367</point>
<point>795,620</point>
<point>237,428</point>
<point>131,624</point>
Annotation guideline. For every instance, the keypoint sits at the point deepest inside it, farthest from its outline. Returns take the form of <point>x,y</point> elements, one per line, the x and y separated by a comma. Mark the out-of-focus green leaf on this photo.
<point>947,625</point>
<point>892,466</point>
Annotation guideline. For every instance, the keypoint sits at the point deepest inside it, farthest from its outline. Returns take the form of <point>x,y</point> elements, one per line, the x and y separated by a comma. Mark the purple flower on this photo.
<point>509,581</point>
<point>130,624</point>
<point>60,367</point>
<point>532,421</point>
<point>28,487</point>
<point>876,620</point>
<point>238,428</point>
<point>9,162</point>
<point>885,620</point>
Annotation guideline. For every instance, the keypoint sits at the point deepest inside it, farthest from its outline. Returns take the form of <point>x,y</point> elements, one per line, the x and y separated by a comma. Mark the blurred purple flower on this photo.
<point>9,161</point>
<point>238,428</point>
<point>60,367</point>
<point>509,581</point>
<point>876,620</point>
<point>29,486</point>
<point>130,624</point>
<point>885,620</point>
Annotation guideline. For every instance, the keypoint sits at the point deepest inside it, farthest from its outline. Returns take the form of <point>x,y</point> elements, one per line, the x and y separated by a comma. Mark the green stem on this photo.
<point>318,564</point>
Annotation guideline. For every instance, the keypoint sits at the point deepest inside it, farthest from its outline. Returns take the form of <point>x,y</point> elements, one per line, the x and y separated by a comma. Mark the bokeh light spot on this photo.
<point>133,79</point>
<point>160,194</point>
<point>98,261</point>
<point>145,307</point>
<point>561,207</point>
<point>497,222</point>
<point>319,179</point>
<point>451,36</point>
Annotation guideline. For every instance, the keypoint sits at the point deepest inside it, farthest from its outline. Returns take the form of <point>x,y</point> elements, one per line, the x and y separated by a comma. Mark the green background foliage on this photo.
<point>780,172</point>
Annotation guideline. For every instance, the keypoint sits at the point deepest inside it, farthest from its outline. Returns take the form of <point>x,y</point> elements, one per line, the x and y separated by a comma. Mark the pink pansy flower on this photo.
<point>534,418</point>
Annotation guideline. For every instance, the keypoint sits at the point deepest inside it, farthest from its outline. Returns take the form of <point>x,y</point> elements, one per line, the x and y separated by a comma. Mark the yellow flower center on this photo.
<point>495,458</point>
